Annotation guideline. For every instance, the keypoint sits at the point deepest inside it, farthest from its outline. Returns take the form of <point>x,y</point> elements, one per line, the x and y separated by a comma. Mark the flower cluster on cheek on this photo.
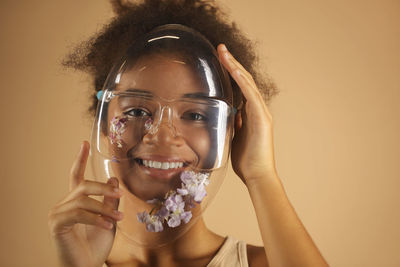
<point>117,128</point>
<point>172,209</point>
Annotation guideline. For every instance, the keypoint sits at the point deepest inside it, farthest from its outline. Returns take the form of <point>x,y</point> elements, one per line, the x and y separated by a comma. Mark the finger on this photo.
<point>238,121</point>
<point>113,203</point>
<point>79,165</point>
<point>91,205</point>
<point>93,188</point>
<point>242,77</point>
<point>110,201</point>
<point>230,61</point>
<point>63,221</point>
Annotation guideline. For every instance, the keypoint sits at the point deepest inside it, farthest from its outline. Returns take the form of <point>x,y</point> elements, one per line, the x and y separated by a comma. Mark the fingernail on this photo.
<point>223,48</point>
<point>109,225</point>
<point>117,190</point>
<point>117,213</point>
<point>81,148</point>
<point>226,55</point>
<point>112,181</point>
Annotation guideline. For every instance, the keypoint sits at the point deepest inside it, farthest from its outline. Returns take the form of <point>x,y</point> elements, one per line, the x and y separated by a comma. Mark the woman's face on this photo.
<point>182,138</point>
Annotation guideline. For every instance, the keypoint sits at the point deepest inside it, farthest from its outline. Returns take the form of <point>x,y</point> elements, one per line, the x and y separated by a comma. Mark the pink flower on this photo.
<point>174,203</point>
<point>194,185</point>
<point>153,222</point>
<point>172,209</point>
<point>117,128</point>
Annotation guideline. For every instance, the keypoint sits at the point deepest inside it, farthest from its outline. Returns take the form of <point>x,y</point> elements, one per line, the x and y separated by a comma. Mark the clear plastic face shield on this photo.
<point>163,127</point>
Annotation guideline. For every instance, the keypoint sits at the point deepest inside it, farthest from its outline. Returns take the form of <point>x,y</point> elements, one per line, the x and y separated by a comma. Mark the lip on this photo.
<point>160,174</point>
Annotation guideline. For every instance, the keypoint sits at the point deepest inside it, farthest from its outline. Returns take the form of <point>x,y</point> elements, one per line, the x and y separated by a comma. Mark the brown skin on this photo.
<point>69,217</point>
<point>174,80</point>
<point>286,241</point>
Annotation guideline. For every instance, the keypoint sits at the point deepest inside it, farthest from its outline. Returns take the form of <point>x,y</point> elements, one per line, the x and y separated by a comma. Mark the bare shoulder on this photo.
<point>256,256</point>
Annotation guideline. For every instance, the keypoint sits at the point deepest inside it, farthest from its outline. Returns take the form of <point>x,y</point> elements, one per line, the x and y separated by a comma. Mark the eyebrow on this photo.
<point>139,91</point>
<point>197,95</point>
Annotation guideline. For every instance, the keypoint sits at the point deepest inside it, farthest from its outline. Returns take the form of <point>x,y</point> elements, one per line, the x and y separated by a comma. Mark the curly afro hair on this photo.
<point>97,55</point>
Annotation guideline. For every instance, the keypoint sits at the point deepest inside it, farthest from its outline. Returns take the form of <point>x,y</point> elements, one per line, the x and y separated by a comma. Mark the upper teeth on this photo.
<point>162,165</point>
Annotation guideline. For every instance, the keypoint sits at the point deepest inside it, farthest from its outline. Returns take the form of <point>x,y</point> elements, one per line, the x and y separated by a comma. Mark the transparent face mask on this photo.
<point>163,127</point>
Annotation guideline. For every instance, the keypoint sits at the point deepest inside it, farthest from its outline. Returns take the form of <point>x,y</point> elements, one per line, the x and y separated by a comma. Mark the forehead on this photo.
<point>169,77</point>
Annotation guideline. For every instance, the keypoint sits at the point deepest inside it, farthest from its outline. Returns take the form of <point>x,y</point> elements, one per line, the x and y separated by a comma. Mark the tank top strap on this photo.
<point>233,253</point>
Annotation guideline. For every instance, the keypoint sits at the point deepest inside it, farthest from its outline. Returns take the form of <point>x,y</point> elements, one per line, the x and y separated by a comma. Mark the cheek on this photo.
<point>201,142</point>
<point>133,135</point>
<point>203,146</point>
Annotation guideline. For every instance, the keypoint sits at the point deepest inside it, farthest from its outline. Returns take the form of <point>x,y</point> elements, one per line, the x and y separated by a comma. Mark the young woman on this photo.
<point>167,115</point>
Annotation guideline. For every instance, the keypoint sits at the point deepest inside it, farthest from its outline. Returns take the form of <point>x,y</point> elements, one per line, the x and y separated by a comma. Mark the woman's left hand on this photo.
<point>252,147</point>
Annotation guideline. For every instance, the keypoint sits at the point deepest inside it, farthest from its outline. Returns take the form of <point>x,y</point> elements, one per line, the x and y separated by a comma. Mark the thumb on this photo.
<point>238,121</point>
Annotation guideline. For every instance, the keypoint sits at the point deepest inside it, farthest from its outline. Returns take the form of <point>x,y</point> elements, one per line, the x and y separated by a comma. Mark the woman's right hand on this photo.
<point>83,228</point>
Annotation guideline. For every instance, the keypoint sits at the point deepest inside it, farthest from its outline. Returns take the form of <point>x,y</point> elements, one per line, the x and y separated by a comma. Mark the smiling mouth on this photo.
<point>161,165</point>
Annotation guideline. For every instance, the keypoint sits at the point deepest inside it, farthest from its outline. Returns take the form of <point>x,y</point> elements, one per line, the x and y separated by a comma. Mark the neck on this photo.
<point>195,248</point>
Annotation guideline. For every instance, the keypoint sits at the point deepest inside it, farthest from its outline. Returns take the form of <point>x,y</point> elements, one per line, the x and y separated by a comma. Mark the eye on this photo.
<point>195,116</point>
<point>137,112</point>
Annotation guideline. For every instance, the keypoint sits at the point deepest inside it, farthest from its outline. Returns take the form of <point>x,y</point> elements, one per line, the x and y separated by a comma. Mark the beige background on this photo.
<point>336,122</point>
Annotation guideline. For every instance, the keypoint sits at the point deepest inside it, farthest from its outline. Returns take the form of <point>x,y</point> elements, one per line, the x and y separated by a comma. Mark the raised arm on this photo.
<point>286,241</point>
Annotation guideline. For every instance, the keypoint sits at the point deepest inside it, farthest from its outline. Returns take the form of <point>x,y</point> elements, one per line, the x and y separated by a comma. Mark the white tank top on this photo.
<point>233,253</point>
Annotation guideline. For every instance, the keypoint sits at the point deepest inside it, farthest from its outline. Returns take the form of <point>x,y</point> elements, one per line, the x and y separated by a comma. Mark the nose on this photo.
<point>163,131</point>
